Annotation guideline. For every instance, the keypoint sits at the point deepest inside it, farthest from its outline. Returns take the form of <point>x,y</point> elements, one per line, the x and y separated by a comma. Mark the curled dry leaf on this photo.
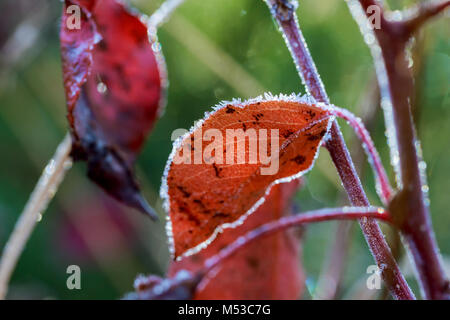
<point>266,269</point>
<point>208,187</point>
<point>113,83</point>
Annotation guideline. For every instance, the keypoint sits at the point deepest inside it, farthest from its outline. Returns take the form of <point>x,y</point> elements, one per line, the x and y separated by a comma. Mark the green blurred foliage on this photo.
<point>205,44</point>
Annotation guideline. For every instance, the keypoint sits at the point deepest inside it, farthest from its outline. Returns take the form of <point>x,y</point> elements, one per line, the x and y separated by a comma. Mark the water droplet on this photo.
<point>51,192</point>
<point>422,165</point>
<point>156,47</point>
<point>50,168</point>
<point>102,88</point>
<point>68,164</point>
<point>395,160</point>
<point>369,38</point>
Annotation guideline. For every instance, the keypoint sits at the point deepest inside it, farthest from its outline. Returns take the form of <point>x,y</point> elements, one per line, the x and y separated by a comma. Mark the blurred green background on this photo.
<point>215,50</point>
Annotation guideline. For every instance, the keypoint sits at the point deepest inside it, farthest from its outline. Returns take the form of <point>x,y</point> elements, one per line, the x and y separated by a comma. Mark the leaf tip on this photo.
<point>141,204</point>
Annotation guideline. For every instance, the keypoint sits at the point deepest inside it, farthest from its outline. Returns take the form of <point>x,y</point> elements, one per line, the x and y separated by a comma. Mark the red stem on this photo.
<point>384,188</point>
<point>349,213</point>
<point>423,13</point>
<point>284,14</point>
<point>408,207</point>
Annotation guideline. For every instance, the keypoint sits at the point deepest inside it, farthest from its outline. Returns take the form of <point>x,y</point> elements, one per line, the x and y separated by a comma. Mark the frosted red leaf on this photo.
<point>203,198</point>
<point>113,84</point>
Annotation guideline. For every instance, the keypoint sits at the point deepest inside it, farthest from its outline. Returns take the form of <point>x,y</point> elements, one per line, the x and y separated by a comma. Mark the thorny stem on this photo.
<point>408,207</point>
<point>44,191</point>
<point>283,12</point>
<point>346,213</point>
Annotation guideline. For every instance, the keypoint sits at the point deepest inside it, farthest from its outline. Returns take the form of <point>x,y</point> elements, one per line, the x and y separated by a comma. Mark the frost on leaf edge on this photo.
<point>238,103</point>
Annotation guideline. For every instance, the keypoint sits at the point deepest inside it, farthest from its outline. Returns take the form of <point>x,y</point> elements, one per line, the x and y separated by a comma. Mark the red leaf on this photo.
<point>265,269</point>
<point>113,88</point>
<point>206,196</point>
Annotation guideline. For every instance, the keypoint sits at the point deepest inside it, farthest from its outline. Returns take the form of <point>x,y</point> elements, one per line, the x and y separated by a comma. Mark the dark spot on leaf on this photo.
<point>311,113</point>
<point>217,170</point>
<point>253,262</point>
<point>220,215</point>
<point>183,191</point>
<point>229,110</point>
<point>287,133</point>
<point>257,116</point>
<point>119,69</point>
<point>314,137</point>
<point>102,45</point>
<point>299,159</point>
<point>192,143</point>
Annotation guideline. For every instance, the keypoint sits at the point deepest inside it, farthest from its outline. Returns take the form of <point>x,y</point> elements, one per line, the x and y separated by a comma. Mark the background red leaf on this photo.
<point>113,88</point>
<point>201,199</point>
<point>265,269</point>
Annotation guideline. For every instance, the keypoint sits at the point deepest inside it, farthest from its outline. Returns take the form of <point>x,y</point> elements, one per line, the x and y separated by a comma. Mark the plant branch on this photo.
<point>422,13</point>
<point>44,191</point>
<point>328,283</point>
<point>346,213</point>
<point>162,14</point>
<point>384,188</point>
<point>283,12</point>
<point>409,208</point>
<point>374,237</point>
